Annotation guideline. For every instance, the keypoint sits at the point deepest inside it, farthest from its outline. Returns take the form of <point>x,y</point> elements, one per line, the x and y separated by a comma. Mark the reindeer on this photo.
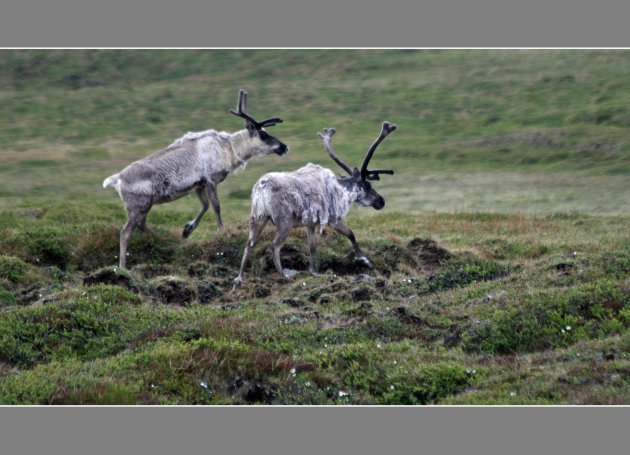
<point>312,197</point>
<point>198,161</point>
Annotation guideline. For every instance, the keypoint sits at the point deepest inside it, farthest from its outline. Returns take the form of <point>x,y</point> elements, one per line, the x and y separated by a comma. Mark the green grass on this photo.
<point>501,260</point>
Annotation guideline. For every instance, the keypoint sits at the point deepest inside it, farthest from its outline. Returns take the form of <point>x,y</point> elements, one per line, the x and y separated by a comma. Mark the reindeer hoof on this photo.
<point>188,230</point>
<point>237,282</point>
<point>288,273</point>
<point>365,261</point>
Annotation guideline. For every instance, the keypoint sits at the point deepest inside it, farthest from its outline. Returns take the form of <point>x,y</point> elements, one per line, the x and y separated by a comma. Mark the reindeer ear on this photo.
<point>356,174</point>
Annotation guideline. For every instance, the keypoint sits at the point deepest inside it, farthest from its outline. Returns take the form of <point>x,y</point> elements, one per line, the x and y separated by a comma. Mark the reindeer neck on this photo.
<point>349,185</point>
<point>242,148</point>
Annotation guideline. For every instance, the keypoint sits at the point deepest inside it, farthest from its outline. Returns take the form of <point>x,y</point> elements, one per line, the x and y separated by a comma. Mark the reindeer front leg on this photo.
<point>359,256</point>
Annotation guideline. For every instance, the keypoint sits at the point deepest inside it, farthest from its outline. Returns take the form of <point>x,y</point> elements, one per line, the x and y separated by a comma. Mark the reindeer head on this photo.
<point>358,179</point>
<point>257,129</point>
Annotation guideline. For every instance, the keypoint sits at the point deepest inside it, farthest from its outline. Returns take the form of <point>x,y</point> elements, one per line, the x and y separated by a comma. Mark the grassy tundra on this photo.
<point>501,259</point>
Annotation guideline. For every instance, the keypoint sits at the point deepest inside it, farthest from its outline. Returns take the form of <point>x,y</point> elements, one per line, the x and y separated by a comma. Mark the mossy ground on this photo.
<point>443,317</point>
<point>501,260</point>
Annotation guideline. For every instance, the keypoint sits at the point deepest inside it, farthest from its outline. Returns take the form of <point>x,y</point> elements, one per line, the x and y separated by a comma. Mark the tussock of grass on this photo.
<point>552,319</point>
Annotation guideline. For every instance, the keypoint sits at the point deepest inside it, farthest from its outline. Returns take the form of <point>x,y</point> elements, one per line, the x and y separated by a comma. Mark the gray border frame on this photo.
<point>279,430</point>
<point>327,23</point>
<point>324,23</point>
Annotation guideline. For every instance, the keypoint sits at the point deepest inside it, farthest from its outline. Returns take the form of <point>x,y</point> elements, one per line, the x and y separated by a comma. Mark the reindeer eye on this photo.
<point>263,135</point>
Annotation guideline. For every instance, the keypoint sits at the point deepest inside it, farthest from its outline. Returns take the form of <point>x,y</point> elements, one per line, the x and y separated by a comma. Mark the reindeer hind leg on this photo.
<point>256,226</point>
<point>136,217</point>
<point>284,229</point>
<point>312,248</point>
<point>211,192</point>
<point>192,225</point>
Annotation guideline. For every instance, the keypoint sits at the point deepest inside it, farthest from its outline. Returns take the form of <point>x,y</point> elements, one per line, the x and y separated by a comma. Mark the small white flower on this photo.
<point>512,394</point>
<point>378,345</point>
<point>575,253</point>
<point>293,373</point>
<point>153,386</point>
<point>203,384</point>
<point>568,328</point>
<point>127,254</point>
<point>304,284</point>
<point>342,393</point>
<point>562,330</point>
<point>395,362</point>
<point>307,384</point>
<point>391,387</point>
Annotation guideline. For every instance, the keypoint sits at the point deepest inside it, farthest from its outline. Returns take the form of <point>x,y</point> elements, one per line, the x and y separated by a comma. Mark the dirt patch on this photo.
<point>564,268</point>
<point>114,276</point>
<point>365,309</point>
<point>428,252</point>
<point>221,271</point>
<point>207,291</point>
<point>198,269</point>
<point>406,316</point>
<point>31,294</point>
<point>361,294</point>
<point>261,291</point>
<point>344,265</point>
<point>598,147</point>
<point>174,290</point>
<point>154,270</point>
<point>291,256</point>
<point>532,138</point>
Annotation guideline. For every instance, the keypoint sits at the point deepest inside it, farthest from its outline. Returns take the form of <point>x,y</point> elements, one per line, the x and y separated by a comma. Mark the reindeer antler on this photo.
<point>326,137</point>
<point>241,111</point>
<point>374,175</point>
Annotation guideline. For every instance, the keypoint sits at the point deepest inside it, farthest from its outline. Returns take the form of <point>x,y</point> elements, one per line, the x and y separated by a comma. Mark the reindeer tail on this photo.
<point>112,180</point>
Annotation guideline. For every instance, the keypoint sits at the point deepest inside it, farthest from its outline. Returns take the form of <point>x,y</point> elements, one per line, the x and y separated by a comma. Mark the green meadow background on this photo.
<point>501,258</point>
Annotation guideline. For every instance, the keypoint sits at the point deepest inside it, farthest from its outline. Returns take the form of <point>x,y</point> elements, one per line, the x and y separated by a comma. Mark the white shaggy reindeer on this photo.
<point>312,197</point>
<point>195,162</point>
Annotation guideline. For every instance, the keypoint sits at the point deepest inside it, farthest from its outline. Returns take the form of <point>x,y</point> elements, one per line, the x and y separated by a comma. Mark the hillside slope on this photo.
<point>501,260</point>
